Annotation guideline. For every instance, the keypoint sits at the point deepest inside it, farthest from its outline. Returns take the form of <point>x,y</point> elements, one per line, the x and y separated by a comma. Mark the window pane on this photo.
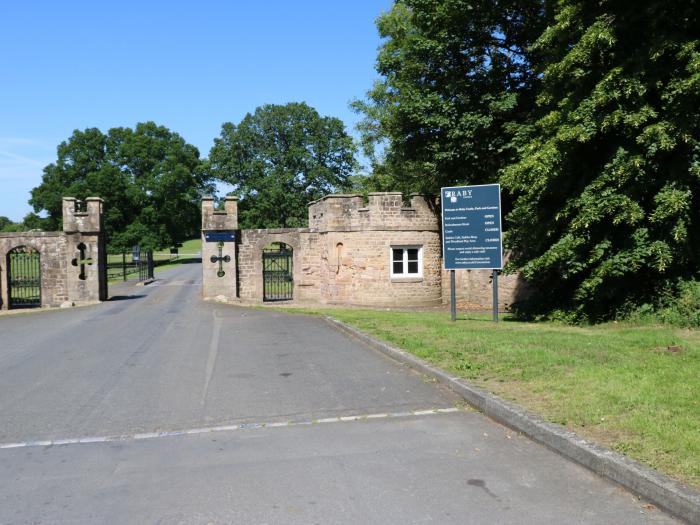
<point>412,254</point>
<point>412,266</point>
<point>398,267</point>
<point>397,254</point>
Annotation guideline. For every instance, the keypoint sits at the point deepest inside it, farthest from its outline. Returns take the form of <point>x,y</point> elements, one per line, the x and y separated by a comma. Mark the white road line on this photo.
<point>224,428</point>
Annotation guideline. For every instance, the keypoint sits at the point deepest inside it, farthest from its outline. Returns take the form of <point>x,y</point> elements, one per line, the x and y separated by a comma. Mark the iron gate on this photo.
<point>278,281</point>
<point>24,277</point>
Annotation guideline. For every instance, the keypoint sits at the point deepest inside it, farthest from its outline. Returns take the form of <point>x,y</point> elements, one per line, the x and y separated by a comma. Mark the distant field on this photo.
<point>189,250</point>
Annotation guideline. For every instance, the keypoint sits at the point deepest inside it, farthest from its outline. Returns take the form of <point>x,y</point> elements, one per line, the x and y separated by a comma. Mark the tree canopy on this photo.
<point>280,158</point>
<point>150,179</point>
<point>608,177</point>
<point>588,113</point>
<point>457,81</point>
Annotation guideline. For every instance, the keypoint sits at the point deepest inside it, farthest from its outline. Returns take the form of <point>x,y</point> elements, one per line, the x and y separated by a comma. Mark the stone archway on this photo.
<point>252,247</point>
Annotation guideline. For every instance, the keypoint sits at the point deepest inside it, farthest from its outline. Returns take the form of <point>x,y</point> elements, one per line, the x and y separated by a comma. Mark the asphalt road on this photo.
<point>167,409</point>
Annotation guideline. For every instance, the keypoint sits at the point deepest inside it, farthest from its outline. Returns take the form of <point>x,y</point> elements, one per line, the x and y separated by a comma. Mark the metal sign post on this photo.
<point>453,296</point>
<point>471,233</point>
<point>494,280</point>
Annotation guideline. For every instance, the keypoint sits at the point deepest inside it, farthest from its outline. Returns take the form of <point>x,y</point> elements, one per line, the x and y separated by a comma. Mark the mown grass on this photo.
<point>190,249</point>
<point>616,383</point>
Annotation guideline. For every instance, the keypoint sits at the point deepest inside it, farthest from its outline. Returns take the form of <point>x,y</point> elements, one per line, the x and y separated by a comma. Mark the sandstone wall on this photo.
<point>213,220</point>
<point>356,269</point>
<point>60,256</point>
<point>474,289</point>
<point>344,257</point>
<point>306,262</point>
<point>355,249</point>
<point>53,259</point>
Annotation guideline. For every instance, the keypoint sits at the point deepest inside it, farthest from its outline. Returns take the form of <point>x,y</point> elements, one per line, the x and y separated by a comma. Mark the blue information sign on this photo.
<point>471,227</point>
<point>220,236</point>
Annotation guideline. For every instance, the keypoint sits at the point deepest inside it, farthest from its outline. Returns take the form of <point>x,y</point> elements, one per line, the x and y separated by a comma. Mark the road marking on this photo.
<point>225,428</point>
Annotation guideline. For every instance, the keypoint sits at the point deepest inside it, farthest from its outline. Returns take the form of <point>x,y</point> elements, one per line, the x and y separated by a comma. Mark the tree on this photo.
<point>607,184</point>
<point>457,83</point>
<point>150,178</point>
<point>4,221</point>
<point>279,159</point>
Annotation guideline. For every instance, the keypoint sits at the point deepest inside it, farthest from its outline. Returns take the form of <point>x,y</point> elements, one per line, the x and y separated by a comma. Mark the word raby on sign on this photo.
<point>471,227</point>
<point>453,195</point>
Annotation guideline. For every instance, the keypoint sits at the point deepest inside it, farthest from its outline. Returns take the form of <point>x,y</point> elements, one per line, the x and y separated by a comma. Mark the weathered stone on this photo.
<point>344,257</point>
<point>61,254</point>
<point>214,284</point>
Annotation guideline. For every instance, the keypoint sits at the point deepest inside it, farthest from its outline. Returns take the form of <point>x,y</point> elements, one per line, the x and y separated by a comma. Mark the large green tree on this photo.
<point>280,158</point>
<point>150,178</point>
<point>609,177</point>
<point>457,83</point>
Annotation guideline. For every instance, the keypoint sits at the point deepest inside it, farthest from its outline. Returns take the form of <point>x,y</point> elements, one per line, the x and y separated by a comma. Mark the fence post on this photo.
<point>149,257</point>
<point>124,265</point>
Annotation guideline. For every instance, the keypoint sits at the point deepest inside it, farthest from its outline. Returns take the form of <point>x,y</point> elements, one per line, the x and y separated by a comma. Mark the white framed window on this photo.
<point>406,262</point>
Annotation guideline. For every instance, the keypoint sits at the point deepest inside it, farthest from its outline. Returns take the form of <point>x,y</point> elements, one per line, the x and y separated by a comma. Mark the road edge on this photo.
<point>674,497</point>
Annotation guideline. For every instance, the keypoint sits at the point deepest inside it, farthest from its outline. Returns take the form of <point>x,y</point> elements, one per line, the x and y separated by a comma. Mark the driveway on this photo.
<point>167,409</point>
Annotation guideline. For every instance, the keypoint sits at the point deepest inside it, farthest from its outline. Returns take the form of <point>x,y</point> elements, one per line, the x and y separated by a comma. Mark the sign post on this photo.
<point>471,233</point>
<point>453,296</point>
<point>494,281</point>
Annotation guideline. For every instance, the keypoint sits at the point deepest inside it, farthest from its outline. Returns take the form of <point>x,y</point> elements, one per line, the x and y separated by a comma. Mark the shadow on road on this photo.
<point>125,297</point>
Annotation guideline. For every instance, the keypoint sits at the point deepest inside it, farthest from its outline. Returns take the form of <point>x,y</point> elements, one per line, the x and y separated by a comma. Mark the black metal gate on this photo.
<point>278,281</point>
<point>24,277</point>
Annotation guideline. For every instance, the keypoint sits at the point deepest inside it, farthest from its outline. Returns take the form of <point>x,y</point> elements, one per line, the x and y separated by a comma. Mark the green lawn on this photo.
<point>189,250</point>
<point>615,383</point>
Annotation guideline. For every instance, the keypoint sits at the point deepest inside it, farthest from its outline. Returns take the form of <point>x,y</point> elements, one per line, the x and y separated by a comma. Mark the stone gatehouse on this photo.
<point>380,253</point>
<point>56,268</point>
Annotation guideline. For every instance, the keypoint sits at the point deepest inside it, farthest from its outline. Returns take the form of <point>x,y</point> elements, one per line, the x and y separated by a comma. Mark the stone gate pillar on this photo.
<point>219,228</point>
<point>86,267</point>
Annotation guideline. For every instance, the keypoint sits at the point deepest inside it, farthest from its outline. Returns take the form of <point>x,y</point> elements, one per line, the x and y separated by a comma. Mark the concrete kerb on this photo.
<point>649,484</point>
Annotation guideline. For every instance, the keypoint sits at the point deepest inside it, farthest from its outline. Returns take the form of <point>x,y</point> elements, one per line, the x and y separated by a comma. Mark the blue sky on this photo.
<point>187,65</point>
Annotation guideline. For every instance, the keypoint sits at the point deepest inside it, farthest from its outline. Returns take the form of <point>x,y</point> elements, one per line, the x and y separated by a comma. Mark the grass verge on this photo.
<point>618,384</point>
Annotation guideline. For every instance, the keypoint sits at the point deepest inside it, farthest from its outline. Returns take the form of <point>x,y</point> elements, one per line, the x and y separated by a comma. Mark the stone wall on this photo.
<point>355,249</point>
<point>344,257</point>
<point>474,289</point>
<point>60,257</point>
<point>356,269</point>
<point>53,250</point>
<point>382,212</point>
<point>306,262</point>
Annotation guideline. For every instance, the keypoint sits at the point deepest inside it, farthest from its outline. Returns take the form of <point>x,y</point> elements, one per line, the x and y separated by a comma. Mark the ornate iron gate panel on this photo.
<point>278,280</point>
<point>24,277</point>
